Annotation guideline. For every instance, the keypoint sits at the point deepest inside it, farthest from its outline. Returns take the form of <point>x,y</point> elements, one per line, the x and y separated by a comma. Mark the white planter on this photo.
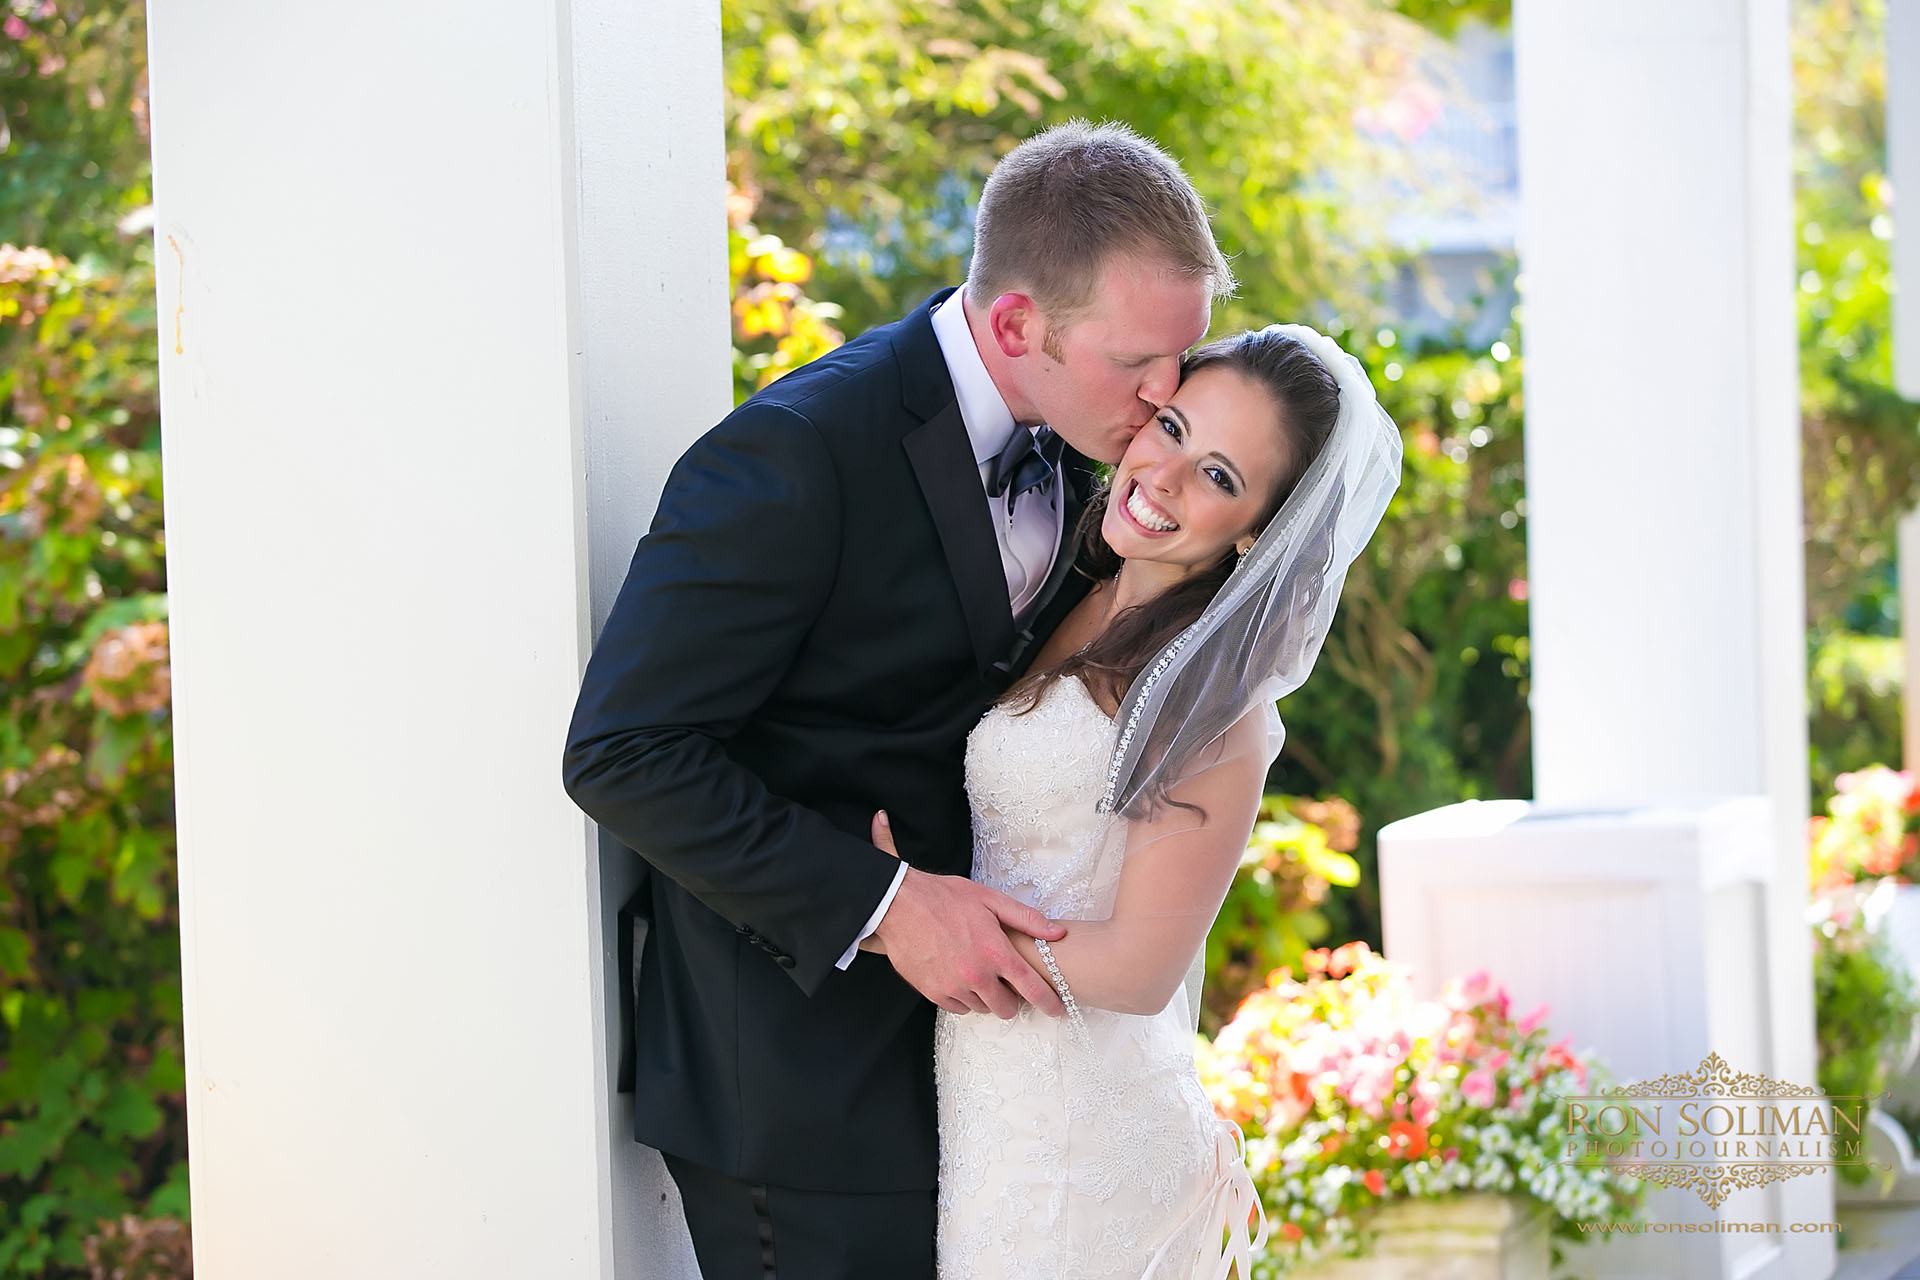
<point>1463,1236</point>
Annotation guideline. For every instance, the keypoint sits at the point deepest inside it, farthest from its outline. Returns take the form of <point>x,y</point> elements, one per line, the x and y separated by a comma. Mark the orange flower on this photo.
<point>1330,1144</point>
<point>1290,1231</point>
<point>1406,1139</point>
<point>1376,1181</point>
<point>1347,958</point>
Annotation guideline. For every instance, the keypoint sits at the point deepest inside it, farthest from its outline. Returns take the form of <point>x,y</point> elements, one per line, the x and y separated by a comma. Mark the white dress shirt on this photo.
<point>1029,541</point>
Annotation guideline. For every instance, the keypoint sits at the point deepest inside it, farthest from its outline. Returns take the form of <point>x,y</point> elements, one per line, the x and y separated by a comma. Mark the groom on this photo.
<point>839,579</point>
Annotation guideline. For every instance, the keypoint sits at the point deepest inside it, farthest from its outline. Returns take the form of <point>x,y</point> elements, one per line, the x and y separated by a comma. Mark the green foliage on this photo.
<point>92,1122</point>
<point>1861,455</point>
<point>870,125</point>
<point>1447,16</point>
<point>1854,690</point>
<point>92,1076</point>
<point>1299,850</point>
<point>73,123</point>
<point>1864,1008</point>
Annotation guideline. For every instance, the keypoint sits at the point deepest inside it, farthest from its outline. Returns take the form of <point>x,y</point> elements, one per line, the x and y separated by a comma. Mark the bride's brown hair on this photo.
<point>1308,401</point>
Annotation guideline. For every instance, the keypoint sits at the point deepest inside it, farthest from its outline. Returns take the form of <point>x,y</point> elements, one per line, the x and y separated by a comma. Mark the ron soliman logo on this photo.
<point>1715,1129</point>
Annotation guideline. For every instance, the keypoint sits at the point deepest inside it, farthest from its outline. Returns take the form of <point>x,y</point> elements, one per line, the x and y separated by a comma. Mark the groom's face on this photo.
<point>1098,379</point>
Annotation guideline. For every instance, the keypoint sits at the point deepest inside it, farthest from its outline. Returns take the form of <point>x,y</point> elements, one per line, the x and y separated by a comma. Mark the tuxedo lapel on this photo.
<point>942,457</point>
<point>949,477</point>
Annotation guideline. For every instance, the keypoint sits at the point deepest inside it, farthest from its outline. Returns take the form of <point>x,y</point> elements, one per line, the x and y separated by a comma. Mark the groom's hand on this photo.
<point>944,935</point>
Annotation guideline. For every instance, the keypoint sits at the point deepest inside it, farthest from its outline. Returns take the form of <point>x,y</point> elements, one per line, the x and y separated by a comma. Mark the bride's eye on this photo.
<point>1219,476</point>
<point>1168,425</point>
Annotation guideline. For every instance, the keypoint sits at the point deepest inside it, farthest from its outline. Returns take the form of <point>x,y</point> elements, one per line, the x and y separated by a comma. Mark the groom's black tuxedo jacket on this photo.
<point>814,622</point>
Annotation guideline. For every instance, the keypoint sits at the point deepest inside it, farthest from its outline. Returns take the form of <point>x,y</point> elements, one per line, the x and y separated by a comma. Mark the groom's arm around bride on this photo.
<point>688,707</point>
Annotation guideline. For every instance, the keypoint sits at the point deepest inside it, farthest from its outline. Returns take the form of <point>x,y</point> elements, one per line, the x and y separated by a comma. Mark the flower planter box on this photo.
<point>1465,1236</point>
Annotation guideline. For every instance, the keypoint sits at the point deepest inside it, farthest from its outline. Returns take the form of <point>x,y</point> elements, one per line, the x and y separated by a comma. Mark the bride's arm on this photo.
<point>1178,865</point>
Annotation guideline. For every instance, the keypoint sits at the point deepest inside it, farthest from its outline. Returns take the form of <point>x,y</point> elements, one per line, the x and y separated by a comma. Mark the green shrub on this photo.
<point>1299,850</point>
<point>1864,1004</point>
<point>92,1118</point>
<point>1854,691</point>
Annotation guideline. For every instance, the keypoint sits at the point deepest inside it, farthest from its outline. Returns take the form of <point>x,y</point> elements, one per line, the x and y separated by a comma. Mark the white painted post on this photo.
<point>1903,166</point>
<point>1663,529</point>
<point>414,279</point>
<point>657,372</point>
<point>1663,487</point>
<point>1907,566</point>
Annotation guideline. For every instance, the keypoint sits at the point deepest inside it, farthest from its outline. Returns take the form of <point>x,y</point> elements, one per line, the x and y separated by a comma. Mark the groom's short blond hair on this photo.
<point>1063,202</point>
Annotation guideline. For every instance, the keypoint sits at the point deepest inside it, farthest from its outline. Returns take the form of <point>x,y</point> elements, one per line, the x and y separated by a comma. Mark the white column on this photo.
<point>1907,566</point>
<point>1662,476</point>
<point>657,372</point>
<point>1903,167</point>
<point>412,282</point>
<point>1663,480</point>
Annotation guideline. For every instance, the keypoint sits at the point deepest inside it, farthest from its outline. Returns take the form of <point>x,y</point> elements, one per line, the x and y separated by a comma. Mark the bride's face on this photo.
<point>1199,475</point>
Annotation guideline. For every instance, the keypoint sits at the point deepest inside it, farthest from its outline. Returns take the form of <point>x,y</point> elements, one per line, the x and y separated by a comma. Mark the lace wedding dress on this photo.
<point>1078,1147</point>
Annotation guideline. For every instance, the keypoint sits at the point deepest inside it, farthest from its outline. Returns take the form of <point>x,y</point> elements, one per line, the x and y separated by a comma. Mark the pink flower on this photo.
<point>1532,1020</point>
<point>1477,1088</point>
<point>1369,1081</point>
<point>15,29</point>
<point>1498,1060</point>
<point>1474,990</point>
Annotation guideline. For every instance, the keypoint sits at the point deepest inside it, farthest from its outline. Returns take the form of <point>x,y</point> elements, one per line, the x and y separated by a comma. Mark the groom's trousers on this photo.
<point>751,1231</point>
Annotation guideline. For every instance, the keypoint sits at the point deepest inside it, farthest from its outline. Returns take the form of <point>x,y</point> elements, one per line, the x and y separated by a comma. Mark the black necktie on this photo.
<point>1028,462</point>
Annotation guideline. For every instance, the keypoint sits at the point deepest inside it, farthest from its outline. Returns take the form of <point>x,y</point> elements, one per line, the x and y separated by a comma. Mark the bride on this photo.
<point>1114,787</point>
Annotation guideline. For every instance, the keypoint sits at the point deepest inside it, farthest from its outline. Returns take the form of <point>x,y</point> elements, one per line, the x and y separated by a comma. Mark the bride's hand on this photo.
<point>882,840</point>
